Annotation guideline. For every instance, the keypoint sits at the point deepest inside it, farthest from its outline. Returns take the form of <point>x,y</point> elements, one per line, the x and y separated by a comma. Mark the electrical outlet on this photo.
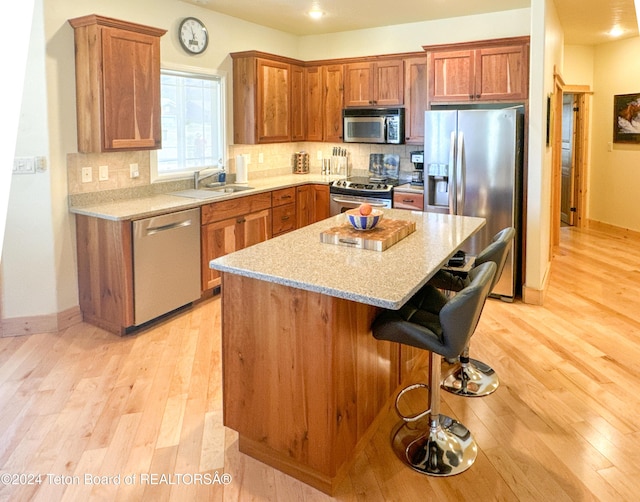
<point>86,175</point>
<point>134,172</point>
<point>41,164</point>
<point>260,158</point>
<point>103,173</point>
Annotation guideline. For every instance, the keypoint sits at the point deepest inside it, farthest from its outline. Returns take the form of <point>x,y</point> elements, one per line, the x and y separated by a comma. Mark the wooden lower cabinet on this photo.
<point>105,272</point>
<point>408,200</point>
<point>232,225</point>
<point>312,204</point>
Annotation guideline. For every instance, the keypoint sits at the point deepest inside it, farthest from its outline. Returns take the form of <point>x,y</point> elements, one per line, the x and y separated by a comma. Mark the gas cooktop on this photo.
<point>372,183</point>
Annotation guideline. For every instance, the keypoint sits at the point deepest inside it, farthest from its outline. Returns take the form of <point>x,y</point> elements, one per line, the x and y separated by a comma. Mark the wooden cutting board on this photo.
<point>382,237</point>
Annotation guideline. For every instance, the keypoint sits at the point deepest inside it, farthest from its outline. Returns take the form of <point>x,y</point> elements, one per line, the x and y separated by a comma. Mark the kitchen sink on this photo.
<point>211,192</point>
<point>230,188</point>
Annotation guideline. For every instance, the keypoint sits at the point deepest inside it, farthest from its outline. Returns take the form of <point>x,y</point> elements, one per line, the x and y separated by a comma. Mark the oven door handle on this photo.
<point>346,201</point>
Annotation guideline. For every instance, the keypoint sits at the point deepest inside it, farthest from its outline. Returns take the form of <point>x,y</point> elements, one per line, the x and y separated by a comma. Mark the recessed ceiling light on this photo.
<point>316,13</point>
<point>616,31</point>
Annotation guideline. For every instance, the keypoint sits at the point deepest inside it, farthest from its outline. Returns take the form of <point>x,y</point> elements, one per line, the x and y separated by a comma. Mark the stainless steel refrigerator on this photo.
<point>472,167</point>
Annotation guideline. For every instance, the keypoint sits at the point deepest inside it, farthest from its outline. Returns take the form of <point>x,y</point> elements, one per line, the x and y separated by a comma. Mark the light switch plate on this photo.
<point>103,173</point>
<point>134,172</point>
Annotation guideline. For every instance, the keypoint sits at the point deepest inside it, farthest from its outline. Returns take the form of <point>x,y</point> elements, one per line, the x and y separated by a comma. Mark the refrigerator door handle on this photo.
<point>452,173</point>
<point>460,178</point>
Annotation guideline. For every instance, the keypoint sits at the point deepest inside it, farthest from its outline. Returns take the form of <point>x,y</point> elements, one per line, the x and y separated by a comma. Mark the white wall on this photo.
<point>411,37</point>
<point>546,51</point>
<point>614,182</point>
<point>578,65</point>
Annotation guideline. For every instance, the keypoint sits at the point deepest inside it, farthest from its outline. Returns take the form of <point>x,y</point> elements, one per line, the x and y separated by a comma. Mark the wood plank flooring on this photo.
<point>100,417</point>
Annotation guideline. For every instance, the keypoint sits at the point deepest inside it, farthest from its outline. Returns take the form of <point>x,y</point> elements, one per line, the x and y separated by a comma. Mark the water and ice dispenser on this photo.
<point>437,187</point>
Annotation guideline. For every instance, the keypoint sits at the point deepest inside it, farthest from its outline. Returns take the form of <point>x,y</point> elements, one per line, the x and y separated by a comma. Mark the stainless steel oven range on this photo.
<point>376,188</point>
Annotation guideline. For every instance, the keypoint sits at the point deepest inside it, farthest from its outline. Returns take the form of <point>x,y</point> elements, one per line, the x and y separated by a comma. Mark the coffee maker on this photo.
<point>417,177</point>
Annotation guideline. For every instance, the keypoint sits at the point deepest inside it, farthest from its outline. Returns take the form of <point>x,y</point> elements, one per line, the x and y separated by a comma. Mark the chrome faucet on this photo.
<point>197,177</point>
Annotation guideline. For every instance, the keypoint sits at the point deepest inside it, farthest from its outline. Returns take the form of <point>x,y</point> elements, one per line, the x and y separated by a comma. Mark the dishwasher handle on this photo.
<point>170,226</point>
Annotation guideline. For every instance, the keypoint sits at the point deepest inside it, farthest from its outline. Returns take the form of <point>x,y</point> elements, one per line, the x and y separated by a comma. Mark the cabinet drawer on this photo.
<point>284,196</point>
<point>407,200</point>
<point>217,211</point>
<point>283,219</point>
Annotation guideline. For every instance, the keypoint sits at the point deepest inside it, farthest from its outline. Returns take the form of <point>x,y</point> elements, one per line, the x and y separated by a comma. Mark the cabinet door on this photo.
<point>298,112</point>
<point>388,82</point>
<point>451,76</point>
<point>312,204</point>
<point>274,79</point>
<point>501,73</point>
<point>256,227</point>
<point>415,99</point>
<point>217,239</point>
<point>358,84</point>
<point>333,96</point>
<point>131,100</point>
<point>313,100</point>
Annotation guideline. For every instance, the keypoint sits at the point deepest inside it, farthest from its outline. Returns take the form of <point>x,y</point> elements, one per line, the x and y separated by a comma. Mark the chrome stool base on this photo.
<point>474,379</point>
<point>444,450</point>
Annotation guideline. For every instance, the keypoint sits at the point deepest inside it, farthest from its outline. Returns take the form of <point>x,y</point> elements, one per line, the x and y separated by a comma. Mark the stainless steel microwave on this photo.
<point>373,125</point>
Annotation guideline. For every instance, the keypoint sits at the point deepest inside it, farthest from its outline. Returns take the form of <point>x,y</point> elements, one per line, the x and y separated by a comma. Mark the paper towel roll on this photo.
<point>241,169</point>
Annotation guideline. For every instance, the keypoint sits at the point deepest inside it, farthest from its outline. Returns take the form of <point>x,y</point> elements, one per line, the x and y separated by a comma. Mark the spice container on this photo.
<point>300,163</point>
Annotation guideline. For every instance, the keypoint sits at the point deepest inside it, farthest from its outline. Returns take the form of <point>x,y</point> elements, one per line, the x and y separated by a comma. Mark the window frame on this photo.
<point>195,71</point>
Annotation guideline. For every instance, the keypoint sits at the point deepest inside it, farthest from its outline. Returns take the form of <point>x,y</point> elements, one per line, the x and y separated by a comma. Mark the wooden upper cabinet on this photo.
<point>313,98</point>
<point>274,103</point>
<point>415,99</point>
<point>117,85</point>
<point>377,83</point>
<point>333,78</point>
<point>298,110</point>
<point>494,70</point>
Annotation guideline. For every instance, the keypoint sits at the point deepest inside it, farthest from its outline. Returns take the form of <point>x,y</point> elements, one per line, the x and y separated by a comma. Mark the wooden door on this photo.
<point>320,202</point>
<point>415,99</point>
<point>388,83</point>
<point>304,202</point>
<point>358,84</point>
<point>274,79</point>
<point>333,97</point>
<point>451,76</point>
<point>131,100</point>
<point>501,73</point>
<point>313,101</point>
<point>298,111</point>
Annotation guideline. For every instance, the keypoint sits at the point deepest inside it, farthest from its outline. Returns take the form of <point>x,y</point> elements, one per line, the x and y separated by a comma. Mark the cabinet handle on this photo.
<point>408,200</point>
<point>286,197</point>
<point>240,220</point>
<point>478,96</point>
<point>284,218</point>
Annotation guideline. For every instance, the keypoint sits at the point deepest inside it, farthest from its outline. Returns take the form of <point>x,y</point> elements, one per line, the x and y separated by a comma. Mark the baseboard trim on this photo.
<point>612,229</point>
<point>535,296</point>
<point>50,323</point>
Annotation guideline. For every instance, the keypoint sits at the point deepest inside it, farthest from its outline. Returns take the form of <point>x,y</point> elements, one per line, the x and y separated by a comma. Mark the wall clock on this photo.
<point>193,35</point>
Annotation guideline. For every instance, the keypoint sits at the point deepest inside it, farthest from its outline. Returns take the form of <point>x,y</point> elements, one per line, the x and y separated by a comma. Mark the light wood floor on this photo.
<point>563,426</point>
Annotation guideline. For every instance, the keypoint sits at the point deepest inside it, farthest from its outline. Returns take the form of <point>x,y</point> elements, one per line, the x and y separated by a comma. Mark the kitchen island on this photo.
<point>303,378</point>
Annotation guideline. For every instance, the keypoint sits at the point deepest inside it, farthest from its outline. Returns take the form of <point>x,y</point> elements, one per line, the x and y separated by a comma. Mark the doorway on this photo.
<point>567,189</point>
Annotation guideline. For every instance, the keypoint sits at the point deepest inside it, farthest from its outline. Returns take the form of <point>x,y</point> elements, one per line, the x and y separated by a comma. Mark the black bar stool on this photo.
<point>471,377</point>
<point>429,442</point>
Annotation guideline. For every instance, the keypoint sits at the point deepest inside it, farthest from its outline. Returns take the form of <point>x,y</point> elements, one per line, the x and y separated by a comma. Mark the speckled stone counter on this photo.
<point>304,380</point>
<point>384,279</point>
<point>133,208</point>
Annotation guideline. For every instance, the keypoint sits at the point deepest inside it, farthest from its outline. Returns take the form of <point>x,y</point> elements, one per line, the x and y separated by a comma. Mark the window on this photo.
<point>192,123</point>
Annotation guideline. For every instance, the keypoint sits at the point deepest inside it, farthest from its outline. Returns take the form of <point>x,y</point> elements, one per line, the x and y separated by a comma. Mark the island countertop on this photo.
<point>384,279</point>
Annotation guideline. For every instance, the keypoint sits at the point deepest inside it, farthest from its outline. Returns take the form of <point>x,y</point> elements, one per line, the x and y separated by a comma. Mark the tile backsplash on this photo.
<point>277,159</point>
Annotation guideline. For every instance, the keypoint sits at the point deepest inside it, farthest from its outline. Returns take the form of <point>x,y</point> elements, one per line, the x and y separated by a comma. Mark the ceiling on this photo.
<point>585,22</point>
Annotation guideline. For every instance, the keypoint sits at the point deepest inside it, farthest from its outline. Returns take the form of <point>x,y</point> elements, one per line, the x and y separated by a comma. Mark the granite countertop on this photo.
<point>153,205</point>
<point>385,279</point>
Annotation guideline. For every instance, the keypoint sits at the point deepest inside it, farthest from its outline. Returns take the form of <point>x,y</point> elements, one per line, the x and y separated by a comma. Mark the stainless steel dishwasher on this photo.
<point>166,263</point>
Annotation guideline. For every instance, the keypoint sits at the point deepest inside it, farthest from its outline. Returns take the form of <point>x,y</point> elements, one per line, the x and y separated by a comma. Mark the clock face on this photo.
<point>193,35</point>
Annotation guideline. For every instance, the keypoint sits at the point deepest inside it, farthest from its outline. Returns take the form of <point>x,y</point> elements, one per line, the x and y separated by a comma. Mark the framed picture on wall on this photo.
<point>626,118</point>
